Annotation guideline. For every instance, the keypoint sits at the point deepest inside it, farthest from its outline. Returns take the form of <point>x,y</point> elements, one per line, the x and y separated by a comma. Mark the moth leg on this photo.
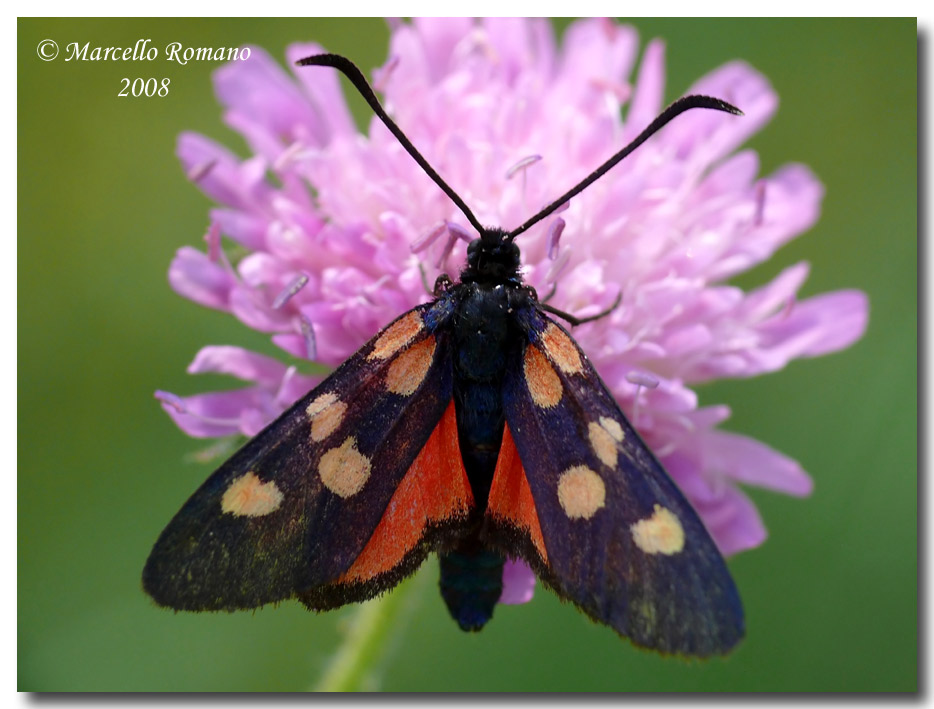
<point>551,293</point>
<point>575,321</point>
<point>421,270</point>
<point>442,284</point>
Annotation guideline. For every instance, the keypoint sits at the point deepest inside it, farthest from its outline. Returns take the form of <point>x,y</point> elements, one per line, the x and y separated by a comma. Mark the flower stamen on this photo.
<point>554,234</point>
<point>460,232</point>
<point>760,203</point>
<point>308,333</point>
<point>522,166</point>
<point>295,285</point>
<point>282,395</point>
<point>455,232</point>
<point>287,156</point>
<point>558,266</point>
<point>428,239</point>
<point>613,90</point>
<point>201,170</point>
<point>213,239</point>
<point>640,379</point>
<point>381,75</point>
<point>173,400</point>
<point>448,248</point>
<point>790,303</point>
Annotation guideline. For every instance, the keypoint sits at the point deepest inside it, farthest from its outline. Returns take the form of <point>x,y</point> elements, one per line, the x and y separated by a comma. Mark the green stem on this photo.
<point>355,666</point>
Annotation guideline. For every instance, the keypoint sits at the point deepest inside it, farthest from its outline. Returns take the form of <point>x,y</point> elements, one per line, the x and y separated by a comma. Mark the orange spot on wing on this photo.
<point>541,378</point>
<point>397,336</point>
<point>510,496</point>
<point>435,488</point>
<point>408,371</point>
<point>562,350</point>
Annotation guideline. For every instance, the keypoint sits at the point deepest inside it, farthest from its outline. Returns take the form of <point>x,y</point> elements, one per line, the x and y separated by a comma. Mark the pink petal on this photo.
<point>324,92</point>
<point>736,174</point>
<point>439,36</point>
<point>220,175</point>
<point>240,363</point>
<point>591,51</point>
<point>670,397</point>
<point>711,135</point>
<point>523,44</point>
<point>266,105</point>
<point>213,414</point>
<point>193,275</point>
<point>733,521</point>
<point>750,462</point>
<point>261,270</point>
<point>816,326</point>
<point>254,309</point>
<point>295,387</point>
<point>294,344</point>
<point>518,583</point>
<point>245,228</point>
<point>792,204</point>
<point>764,301</point>
<point>647,99</point>
<point>687,340</point>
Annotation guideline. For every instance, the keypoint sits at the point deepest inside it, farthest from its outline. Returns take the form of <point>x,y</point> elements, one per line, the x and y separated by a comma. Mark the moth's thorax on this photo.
<point>492,259</point>
<point>486,329</point>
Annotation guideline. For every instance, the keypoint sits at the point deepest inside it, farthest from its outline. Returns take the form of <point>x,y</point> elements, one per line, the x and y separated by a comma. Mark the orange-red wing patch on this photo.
<point>435,488</point>
<point>510,497</point>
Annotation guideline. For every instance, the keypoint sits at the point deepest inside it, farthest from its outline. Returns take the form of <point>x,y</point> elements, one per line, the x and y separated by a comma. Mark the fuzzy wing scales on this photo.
<point>293,509</point>
<point>620,539</point>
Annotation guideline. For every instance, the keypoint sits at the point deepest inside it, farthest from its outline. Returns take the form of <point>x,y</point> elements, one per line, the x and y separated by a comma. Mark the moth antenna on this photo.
<point>678,107</point>
<point>350,70</point>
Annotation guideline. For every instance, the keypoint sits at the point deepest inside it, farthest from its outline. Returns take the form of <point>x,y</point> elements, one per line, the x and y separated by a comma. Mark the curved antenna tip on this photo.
<point>700,101</point>
<point>353,73</point>
<point>317,59</point>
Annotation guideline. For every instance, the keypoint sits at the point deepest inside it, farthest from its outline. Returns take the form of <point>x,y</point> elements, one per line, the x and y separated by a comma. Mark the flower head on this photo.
<point>337,227</point>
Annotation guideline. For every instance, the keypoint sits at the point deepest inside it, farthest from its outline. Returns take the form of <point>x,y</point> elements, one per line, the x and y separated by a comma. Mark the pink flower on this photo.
<point>511,121</point>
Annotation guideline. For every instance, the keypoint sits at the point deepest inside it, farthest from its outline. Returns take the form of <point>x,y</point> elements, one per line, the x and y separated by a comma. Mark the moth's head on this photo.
<point>494,257</point>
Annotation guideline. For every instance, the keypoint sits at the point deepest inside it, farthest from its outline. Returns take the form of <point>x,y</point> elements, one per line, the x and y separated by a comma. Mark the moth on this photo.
<point>472,426</point>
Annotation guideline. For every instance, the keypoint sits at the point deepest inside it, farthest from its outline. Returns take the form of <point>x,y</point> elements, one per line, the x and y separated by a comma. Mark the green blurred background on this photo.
<point>831,597</point>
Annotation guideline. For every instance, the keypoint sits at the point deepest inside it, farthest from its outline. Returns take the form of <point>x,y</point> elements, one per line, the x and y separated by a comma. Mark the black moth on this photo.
<point>472,426</point>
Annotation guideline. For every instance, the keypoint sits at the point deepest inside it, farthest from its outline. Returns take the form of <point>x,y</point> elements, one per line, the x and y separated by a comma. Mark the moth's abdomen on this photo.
<point>471,584</point>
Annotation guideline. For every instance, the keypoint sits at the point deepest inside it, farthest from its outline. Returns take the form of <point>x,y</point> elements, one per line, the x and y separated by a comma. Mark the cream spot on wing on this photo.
<point>562,349</point>
<point>326,413</point>
<point>613,428</point>
<point>541,378</point>
<point>602,443</point>
<point>320,404</point>
<point>408,370</point>
<point>247,496</point>
<point>397,336</point>
<point>661,533</point>
<point>344,470</point>
<point>581,492</point>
